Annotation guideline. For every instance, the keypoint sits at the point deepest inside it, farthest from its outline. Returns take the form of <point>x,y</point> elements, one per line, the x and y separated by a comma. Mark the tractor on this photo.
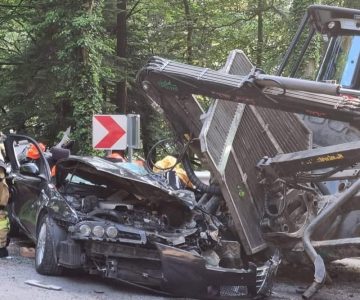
<point>283,150</point>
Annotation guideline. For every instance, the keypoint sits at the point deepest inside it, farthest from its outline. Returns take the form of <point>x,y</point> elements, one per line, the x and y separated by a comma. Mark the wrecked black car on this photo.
<point>119,221</point>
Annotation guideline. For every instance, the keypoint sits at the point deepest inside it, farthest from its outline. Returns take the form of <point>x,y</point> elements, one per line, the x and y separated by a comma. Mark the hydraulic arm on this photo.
<point>291,165</point>
<point>313,98</point>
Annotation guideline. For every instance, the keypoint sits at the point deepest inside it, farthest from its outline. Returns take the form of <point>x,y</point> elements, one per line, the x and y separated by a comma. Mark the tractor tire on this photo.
<point>330,132</point>
<point>45,260</point>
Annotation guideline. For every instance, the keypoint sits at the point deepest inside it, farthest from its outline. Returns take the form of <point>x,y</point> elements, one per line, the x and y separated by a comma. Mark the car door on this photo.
<point>28,181</point>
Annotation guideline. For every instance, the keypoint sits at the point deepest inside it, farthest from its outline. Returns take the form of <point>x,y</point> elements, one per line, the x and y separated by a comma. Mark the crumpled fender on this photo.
<point>58,233</point>
<point>188,274</point>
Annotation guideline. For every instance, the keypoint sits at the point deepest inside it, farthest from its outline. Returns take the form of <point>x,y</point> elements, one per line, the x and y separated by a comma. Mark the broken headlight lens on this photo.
<point>98,231</point>
<point>85,230</point>
<point>111,232</point>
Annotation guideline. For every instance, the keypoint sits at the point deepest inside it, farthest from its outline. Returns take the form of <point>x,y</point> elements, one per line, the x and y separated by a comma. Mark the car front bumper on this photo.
<point>168,269</point>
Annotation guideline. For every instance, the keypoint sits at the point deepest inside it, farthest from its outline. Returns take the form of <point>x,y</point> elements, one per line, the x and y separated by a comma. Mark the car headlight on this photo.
<point>111,232</point>
<point>98,231</point>
<point>85,230</point>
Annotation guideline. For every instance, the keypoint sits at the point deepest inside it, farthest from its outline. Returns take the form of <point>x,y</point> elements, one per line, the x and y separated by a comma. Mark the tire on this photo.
<point>45,260</point>
<point>330,132</point>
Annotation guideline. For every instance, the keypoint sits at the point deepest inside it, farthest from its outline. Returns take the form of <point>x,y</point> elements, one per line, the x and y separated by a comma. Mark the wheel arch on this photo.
<point>58,233</point>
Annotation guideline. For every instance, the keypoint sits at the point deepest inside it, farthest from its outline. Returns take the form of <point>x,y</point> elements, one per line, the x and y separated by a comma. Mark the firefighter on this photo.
<point>52,155</point>
<point>4,220</point>
<point>172,167</point>
<point>116,156</point>
<point>33,153</point>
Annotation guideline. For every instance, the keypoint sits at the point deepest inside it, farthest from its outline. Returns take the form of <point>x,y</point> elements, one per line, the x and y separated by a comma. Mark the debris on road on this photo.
<point>28,252</point>
<point>42,285</point>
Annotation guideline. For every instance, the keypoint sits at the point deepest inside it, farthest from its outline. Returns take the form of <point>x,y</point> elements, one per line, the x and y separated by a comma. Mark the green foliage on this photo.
<point>58,63</point>
<point>60,80</point>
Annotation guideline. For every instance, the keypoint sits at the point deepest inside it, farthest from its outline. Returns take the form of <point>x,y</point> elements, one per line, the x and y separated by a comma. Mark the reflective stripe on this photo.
<point>4,193</point>
<point>5,224</point>
<point>4,228</point>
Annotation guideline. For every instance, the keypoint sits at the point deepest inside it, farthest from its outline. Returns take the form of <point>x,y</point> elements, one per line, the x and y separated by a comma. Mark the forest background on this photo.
<point>64,60</point>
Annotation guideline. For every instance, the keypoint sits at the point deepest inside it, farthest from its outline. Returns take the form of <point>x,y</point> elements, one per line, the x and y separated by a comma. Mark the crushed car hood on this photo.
<point>127,176</point>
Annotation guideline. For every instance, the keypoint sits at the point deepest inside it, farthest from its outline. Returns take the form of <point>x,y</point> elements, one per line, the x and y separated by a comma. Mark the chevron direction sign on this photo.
<point>109,132</point>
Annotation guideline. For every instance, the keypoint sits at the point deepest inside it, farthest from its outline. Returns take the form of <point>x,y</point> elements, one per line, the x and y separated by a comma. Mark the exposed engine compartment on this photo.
<point>165,219</point>
<point>126,209</point>
<point>137,228</point>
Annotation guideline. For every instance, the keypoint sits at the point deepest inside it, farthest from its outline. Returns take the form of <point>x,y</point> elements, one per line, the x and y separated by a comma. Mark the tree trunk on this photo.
<point>121,45</point>
<point>260,33</point>
<point>189,29</point>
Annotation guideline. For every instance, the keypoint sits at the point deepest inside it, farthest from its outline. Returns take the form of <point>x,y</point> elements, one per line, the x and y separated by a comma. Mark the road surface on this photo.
<point>16,270</point>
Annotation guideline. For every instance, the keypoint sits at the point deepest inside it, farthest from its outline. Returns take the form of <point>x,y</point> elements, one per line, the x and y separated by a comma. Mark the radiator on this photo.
<point>234,138</point>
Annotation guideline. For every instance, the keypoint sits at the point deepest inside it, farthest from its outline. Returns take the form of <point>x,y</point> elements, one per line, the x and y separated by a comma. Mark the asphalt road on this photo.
<point>15,270</point>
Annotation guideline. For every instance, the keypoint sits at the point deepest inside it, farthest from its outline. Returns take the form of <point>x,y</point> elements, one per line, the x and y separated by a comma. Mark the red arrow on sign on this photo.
<point>115,132</point>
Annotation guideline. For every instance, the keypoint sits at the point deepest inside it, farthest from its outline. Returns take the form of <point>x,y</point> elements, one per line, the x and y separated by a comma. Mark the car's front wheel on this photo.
<point>45,260</point>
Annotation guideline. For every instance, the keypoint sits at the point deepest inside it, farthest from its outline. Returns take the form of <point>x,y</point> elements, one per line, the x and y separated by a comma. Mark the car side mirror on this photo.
<point>29,169</point>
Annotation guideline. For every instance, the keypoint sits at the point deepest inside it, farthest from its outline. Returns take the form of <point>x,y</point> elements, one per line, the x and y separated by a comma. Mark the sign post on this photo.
<point>133,138</point>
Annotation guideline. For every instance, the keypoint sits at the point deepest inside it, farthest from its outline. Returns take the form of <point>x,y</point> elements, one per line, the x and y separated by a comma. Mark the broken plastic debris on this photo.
<point>43,285</point>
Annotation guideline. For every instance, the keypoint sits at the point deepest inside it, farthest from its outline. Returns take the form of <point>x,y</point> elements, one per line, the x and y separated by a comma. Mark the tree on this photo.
<point>351,4</point>
<point>59,79</point>
<point>61,59</point>
<point>121,49</point>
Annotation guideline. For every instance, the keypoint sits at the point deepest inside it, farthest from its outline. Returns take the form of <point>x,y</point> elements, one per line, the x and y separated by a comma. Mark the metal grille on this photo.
<point>286,130</point>
<point>238,63</point>
<point>239,202</point>
<point>234,138</point>
<point>250,146</point>
<point>233,291</point>
<point>224,113</point>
